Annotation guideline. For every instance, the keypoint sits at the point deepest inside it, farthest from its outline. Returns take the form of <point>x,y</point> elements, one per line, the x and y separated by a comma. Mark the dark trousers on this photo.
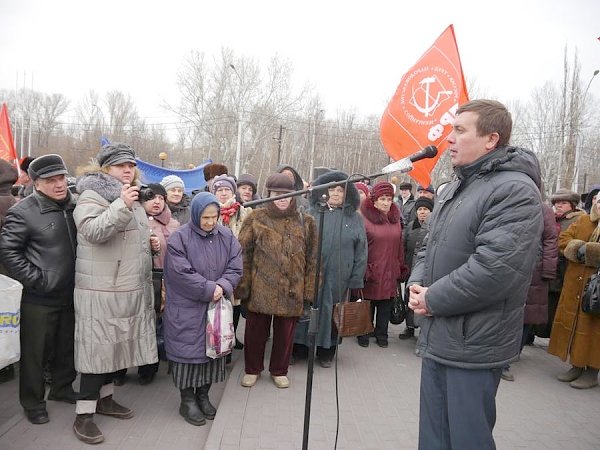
<point>237,312</point>
<point>45,330</point>
<point>458,407</point>
<point>382,319</point>
<point>255,339</point>
<point>91,383</point>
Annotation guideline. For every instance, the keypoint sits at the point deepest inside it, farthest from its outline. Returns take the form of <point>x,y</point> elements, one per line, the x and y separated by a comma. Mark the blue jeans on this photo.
<point>458,407</point>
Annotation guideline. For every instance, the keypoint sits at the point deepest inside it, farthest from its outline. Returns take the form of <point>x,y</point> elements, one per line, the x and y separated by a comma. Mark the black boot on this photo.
<point>86,430</point>
<point>407,334</point>
<point>189,409</point>
<point>206,407</point>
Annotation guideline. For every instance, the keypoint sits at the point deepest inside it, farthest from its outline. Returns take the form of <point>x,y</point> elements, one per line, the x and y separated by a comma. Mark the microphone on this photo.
<point>405,164</point>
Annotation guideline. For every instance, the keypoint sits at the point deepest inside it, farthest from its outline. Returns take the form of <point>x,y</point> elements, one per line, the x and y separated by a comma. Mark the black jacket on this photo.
<point>38,248</point>
<point>477,261</point>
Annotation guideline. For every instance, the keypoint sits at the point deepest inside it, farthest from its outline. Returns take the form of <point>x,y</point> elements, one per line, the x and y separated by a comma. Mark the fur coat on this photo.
<point>279,254</point>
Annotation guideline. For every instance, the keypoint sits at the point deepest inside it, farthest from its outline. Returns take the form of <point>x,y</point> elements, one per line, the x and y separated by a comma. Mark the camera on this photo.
<point>146,193</point>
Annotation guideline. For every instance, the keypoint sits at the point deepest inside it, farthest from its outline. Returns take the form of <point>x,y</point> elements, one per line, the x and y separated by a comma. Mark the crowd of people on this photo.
<point>484,265</point>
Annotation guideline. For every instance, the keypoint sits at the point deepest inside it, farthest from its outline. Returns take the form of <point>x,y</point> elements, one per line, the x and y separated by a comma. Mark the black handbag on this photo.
<point>398,314</point>
<point>590,302</point>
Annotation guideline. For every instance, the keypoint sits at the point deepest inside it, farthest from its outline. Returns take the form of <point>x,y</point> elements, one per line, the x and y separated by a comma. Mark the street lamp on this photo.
<point>163,157</point>
<point>312,150</point>
<point>238,150</point>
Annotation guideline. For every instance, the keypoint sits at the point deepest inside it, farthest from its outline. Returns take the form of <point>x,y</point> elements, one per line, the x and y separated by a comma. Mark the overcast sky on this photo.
<point>353,52</point>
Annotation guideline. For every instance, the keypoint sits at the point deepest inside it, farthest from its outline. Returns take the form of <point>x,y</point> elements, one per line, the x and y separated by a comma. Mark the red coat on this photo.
<point>385,264</point>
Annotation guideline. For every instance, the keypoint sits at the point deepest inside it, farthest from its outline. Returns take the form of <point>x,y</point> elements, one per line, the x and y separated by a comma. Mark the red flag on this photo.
<point>422,110</point>
<point>7,148</point>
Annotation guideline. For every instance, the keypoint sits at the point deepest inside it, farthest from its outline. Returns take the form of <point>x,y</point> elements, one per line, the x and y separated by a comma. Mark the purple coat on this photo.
<point>536,306</point>
<point>195,263</point>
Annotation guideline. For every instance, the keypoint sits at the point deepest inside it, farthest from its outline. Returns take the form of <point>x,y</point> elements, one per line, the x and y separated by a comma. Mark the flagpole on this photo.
<point>29,131</point>
<point>22,116</point>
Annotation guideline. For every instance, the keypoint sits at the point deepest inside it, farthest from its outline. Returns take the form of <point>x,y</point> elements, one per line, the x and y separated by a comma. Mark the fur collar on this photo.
<point>106,186</point>
<point>351,200</point>
<point>375,216</point>
<point>274,212</point>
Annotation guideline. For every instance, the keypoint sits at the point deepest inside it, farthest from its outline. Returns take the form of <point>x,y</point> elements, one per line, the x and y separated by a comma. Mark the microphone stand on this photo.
<point>314,310</point>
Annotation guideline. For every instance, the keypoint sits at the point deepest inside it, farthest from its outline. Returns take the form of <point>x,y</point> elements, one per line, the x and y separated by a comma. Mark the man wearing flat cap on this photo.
<point>38,247</point>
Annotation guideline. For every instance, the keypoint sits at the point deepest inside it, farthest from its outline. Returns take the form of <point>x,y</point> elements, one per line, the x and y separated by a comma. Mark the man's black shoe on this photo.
<point>120,380</point>
<point>7,373</point>
<point>37,416</point>
<point>407,334</point>
<point>363,341</point>
<point>143,380</point>
<point>382,342</point>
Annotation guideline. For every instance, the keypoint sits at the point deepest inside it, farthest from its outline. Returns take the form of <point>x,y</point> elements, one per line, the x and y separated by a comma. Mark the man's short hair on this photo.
<point>493,118</point>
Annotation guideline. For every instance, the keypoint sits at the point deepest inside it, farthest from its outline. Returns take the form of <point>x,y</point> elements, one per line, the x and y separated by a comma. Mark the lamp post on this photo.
<point>314,139</point>
<point>238,150</point>
<point>163,157</point>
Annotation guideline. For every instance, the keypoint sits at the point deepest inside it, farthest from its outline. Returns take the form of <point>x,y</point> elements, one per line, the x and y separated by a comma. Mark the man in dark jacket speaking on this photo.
<point>37,246</point>
<point>471,277</point>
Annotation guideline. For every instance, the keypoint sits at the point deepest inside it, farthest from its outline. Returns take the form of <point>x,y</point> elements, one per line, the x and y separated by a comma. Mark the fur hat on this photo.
<point>279,182</point>
<point>24,163</point>
<point>113,154</point>
<point>212,170</point>
<point>424,202</point>
<point>47,166</point>
<point>406,185</point>
<point>223,181</point>
<point>172,182</point>
<point>564,195</point>
<point>382,188</point>
<point>249,180</point>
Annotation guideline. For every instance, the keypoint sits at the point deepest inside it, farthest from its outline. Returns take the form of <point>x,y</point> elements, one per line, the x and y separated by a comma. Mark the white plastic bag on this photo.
<point>10,319</point>
<point>219,329</point>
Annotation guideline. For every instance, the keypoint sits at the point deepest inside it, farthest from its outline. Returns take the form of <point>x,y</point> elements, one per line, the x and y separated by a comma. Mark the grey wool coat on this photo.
<point>343,258</point>
<point>114,304</point>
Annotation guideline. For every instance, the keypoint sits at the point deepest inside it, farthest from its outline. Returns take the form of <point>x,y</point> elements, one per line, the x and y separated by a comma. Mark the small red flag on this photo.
<point>422,110</point>
<point>7,147</point>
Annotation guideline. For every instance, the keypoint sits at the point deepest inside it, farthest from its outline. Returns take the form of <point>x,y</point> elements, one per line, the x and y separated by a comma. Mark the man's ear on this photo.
<point>492,141</point>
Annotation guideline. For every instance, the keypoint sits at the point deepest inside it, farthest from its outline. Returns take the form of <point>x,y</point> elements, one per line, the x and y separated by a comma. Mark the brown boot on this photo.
<point>588,379</point>
<point>108,407</point>
<point>86,430</point>
<point>570,375</point>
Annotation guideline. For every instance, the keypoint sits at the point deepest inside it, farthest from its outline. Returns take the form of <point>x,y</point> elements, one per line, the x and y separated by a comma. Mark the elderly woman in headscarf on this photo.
<point>576,334</point>
<point>203,263</point>
<point>343,261</point>
<point>113,297</point>
<point>385,267</point>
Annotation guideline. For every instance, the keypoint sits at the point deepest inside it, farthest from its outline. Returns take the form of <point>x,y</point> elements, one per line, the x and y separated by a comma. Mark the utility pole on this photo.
<point>279,145</point>
<point>238,150</point>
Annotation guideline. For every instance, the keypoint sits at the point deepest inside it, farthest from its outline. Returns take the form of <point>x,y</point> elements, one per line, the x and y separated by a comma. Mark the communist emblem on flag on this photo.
<point>422,110</point>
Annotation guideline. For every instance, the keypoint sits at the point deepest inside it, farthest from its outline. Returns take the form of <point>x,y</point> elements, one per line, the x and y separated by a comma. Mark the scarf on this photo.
<point>228,211</point>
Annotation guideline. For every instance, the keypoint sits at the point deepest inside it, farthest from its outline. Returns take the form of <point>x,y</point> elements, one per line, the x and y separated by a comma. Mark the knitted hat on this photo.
<point>172,182</point>
<point>249,180</point>
<point>113,154</point>
<point>424,201</point>
<point>223,181</point>
<point>158,189</point>
<point>212,170</point>
<point>428,189</point>
<point>382,188</point>
<point>47,166</point>
<point>565,195</point>
<point>362,187</point>
<point>406,185</point>
<point>279,182</point>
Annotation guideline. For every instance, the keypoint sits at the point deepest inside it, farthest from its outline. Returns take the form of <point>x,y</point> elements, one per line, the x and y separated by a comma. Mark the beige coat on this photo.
<point>114,305</point>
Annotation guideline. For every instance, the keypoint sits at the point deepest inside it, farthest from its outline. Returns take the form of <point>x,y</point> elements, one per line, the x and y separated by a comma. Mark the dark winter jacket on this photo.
<point>385,263</point>
<point>536,305</point>
<point>38,247</point>
<point>181,211</point>
<point>8,177</point>
<point>195,262</point>
<point>279,261</point>
<point>408,210</point>
<point>414,235</point>
<point>484,238</point>
<point>344,257</point>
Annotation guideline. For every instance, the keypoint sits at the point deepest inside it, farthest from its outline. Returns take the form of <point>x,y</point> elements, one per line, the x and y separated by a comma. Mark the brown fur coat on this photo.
<point>279,261</point>
<point>575,334</point>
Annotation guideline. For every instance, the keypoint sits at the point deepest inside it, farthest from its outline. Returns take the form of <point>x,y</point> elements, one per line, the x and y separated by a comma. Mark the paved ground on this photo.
<point>378,399</point>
